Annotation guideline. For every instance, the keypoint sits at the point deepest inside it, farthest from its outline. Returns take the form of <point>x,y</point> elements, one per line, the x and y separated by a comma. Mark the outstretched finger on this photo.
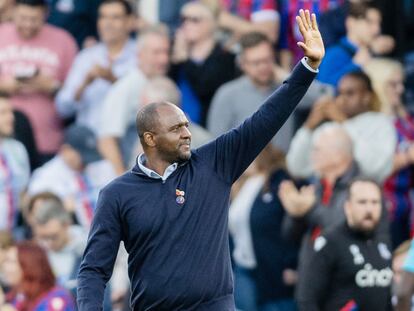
<point>314,22</point>
<point>302,28</point>
<point>308,19</point>
<point>303,19</point>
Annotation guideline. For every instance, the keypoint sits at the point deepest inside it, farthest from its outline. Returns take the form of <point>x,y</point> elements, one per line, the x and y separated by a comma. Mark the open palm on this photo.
<point>312,44</point>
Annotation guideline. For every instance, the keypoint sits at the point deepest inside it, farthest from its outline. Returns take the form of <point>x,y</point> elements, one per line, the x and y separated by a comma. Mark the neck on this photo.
<point>353,38</point>
<point>156,164</point>
<point>115,48</point>
<point>202,49</point>
<point>336,172</point>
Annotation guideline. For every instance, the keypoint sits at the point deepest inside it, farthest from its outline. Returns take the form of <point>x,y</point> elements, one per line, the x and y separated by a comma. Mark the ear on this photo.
<point>149,139</point>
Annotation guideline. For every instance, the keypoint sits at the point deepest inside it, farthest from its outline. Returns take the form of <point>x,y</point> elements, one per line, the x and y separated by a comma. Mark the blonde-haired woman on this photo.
<point>387,77</point>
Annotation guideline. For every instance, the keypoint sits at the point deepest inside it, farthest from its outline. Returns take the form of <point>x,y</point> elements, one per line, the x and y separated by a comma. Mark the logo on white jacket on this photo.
<point>369,277</point>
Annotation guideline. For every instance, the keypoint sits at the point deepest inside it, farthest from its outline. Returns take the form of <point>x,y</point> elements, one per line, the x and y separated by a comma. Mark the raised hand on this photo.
<point>312,46</point>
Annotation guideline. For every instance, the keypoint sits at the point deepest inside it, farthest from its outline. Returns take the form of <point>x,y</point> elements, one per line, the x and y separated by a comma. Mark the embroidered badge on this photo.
<point>180,196</point>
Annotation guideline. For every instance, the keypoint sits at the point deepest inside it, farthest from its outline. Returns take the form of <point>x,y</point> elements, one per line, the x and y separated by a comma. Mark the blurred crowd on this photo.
<point>74,73</point>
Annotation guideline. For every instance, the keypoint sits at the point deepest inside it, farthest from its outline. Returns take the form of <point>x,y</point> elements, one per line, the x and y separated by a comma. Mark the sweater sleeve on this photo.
<point>231,153</point>
<point>100,253</point>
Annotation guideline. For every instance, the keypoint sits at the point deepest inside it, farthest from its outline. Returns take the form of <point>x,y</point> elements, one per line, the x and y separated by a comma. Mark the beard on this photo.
<point>176,155</point>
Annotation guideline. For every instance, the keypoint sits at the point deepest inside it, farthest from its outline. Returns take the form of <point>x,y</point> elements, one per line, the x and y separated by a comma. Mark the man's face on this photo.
<point>368,27</point>
<point>29,20</point>
<point>53,235</point>
<point>323,156</point>
<point>153,57</point>
<point>394,88</point>
<point>373,20</point>
<point>353,97</point>
<point>72,157</point>
<point>363,208</point>
<point>197,23</point>
<point>257,63</point>
<point>11,270</point>
<point>172,137</point>
<point>113,23</point>
<point>6,118</point>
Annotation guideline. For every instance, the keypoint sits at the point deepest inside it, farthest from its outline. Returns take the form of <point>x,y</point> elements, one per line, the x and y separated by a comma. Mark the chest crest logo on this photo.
<point>180,199</point>
<point>356,253</point>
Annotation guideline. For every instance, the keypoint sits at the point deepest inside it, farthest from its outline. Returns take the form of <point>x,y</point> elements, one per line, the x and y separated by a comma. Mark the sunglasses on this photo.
<point>191,19</point>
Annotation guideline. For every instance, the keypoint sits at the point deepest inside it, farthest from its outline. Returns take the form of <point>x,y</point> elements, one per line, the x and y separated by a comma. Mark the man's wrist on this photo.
<point>310,64</point>
<point>314,64</point>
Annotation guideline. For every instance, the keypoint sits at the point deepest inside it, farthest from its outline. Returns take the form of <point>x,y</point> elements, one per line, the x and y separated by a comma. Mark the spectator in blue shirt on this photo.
<point>352,52</point>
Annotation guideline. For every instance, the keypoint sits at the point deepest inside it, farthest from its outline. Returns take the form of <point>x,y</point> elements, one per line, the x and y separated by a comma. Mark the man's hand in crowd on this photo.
<point>297,203</point>
<point>312,46</point>
<point>40,83</point>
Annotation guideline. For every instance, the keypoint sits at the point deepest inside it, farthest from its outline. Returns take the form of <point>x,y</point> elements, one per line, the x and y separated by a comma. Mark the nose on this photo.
<point>185,133</point>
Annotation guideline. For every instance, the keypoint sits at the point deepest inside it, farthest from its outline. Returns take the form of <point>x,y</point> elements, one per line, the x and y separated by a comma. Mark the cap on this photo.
<point>83,140</point>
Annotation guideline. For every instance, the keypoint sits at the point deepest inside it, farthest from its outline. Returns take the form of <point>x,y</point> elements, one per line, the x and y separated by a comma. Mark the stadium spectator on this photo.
<point>265,262</point>
<point>62,13</point>
<point>24,230</point>
<point>372,132</point>
<point>33,285</point>
<point>96,68</point>
<point>350,268</point>
<point>14,168</point>
<point>351,53</point>
<point>75,174</point>
<point>236,100</point>
<point>35,59</point>
<point>201,65</point>
<point>117,131</point>
<point>387,78</point>
<point>64,243</point>
<point>319,206</point>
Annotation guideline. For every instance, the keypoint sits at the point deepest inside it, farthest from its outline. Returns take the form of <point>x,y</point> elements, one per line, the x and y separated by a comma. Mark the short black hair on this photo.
<point>359,10</point>
<point>361,76</point>
<point>253,39</point>
<point>364,180</point>
<point>33,3</point>
<point>148,118</point>
<point>127,6</point>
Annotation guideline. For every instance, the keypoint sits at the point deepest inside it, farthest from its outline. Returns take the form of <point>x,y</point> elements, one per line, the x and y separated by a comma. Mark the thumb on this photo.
<point>302,46</point>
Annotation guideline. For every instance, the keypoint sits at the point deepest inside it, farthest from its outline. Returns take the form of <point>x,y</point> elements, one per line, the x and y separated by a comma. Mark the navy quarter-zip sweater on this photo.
<point>179,255</point>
